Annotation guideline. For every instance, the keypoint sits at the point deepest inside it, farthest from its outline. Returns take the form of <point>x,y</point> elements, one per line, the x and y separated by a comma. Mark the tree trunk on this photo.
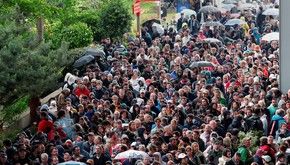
<point>40,29</point>
<point>34,103</point>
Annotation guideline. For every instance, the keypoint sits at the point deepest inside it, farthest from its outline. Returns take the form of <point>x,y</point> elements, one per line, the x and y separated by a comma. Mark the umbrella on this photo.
<point>131,154</point>
<point>229,1</point>
<point>84,60</point>
<point>209,9</point>
<point>246,6</point>
<point>212,40</point>
<point>72,163</point>
<point>274,36</point>
<point>272,11</point>
<point>227,7</point>
<point>188,12</point>
<point>150,22</point>
<point>95,52</point>
<point>212,23</point>
<point>158,27</point>
<point>232,22</point>
<point>201,64</point>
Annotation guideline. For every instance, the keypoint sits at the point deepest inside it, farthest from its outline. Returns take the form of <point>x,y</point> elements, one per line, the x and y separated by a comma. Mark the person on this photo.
<point>244,150</point>
<point>180,21</point>
<point>236,160</point>
<point>100,158</point>
<point>193,24</point>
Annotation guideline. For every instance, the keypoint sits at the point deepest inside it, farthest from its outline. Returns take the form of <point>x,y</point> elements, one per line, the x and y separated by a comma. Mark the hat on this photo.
<point>44,107</point>
<point>142,91</point>
<point>267,158</point>
<point>108,163</point>
<point>91,134</point>
<point>271,56</point>
<point>124,136</point>
<point>181,155</point>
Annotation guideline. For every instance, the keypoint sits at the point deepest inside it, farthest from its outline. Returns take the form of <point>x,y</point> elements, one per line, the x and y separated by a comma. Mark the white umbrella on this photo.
<point>212,23</point>
<point>158,27</point>
<point>200,64</point>
<point>271,11</point>
<point>232,22</point>
<point>72,163</point>
<point>212,40</point>
<point>227,7</point>
<point>209,9</point>
<point>188,12</point>
<point>274,36</point>
<point>246,6</point>
<point>131,154</point>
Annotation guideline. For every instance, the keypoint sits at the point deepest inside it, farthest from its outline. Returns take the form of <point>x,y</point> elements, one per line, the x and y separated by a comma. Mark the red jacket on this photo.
<point>46,126</point>
<point>83,91</point>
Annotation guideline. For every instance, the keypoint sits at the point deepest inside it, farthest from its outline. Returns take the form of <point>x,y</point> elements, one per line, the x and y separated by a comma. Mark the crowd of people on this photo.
<point>154,106</point>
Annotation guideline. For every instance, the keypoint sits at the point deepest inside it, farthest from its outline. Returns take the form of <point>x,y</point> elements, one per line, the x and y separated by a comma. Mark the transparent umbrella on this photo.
<point>209,9</point>
<point>212,40</point>
<point>232,22</point>
<point>158,28</point>
<point>131,154</point>
<point>201,64</point>
<point>274,36</point>
<point>271,11</point>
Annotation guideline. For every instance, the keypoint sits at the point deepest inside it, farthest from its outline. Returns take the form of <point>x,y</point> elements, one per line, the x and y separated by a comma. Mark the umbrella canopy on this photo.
<point>227,7</point>
<point>201,64</point>
<point>72,163</point>
<point>131,154</point>
<point>95,52</point>
<point>272,11</point>
<point>232,22</point>
<point>246,6</point>
<point>158,28</point>
<point>274,36</point>
<point>212,23</point>
<point>84,60</point>
<point>229,1</point>
<point>212,40</point>
<point>187,13</point>
<point>209,9</point>
<point>149,23</point>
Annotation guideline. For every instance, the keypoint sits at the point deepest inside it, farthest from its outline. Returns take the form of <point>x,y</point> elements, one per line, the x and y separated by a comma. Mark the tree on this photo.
<point>114,19</point>
<point>27,68</point>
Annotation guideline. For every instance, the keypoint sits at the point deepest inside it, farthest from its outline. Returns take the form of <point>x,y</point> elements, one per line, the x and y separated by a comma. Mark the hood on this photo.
<point>277,117</point>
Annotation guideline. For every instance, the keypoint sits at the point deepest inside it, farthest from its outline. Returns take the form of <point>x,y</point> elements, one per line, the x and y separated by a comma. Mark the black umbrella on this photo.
<point>94,52</point>
<point>84,60</point>
<point>200,64</point>
<point>150,22</point>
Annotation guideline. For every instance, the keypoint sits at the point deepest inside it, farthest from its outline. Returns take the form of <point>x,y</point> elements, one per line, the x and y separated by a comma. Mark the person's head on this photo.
<point>247,142</point>
<point>66,157</point>
<point>237,156</point>
<point>44,158</point>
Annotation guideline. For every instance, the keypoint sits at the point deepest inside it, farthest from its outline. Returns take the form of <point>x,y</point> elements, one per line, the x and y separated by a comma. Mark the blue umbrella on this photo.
<point>232,22</point>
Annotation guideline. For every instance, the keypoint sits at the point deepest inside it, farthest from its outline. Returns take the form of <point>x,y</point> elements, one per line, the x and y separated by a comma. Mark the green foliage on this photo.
<point>11,113</point>
<point>255,135</point>
<point>77,35</point>
<point>27,68</point>
<point>115,19</point>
